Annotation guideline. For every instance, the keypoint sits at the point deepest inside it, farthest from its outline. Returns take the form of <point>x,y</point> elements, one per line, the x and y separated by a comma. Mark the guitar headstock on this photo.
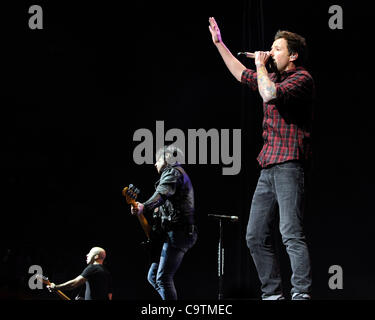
<point>43,279</point>
<point>131,193</point>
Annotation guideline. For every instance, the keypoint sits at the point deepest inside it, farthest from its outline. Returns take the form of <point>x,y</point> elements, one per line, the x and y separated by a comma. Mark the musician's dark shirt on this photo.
<point>99,282</point>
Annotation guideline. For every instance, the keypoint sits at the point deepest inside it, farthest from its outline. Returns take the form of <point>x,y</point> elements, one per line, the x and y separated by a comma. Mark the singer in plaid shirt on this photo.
<point>287,118</point>
<point>287,95</point>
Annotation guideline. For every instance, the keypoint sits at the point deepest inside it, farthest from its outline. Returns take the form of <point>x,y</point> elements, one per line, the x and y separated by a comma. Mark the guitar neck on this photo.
<point>62,295</point>
<point>144,223</point>
<point>58,292</point>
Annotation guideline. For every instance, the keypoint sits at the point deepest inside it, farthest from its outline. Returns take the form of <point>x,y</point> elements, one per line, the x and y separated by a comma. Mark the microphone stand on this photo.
<point>221,261</point>
<point>220,254</point>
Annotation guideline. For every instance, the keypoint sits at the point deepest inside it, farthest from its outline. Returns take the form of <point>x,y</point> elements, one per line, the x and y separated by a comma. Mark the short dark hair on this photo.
<point>295,44</point>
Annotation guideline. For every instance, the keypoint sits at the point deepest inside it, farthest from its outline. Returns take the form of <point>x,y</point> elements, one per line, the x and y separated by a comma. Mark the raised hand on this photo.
<point>215,31</point>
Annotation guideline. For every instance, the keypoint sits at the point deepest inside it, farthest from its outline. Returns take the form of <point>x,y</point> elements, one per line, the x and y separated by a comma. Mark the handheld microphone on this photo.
<point>231,218</point>
<point>271,62</point>
<point>247,54</point>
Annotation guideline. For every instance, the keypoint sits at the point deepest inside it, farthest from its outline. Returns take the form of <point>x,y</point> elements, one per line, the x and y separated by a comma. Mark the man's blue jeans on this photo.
<point>161,274</point>
<point>281,184</point>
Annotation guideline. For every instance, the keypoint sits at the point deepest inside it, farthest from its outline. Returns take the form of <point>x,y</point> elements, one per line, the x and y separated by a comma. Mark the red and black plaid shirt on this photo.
<point>287,118</point>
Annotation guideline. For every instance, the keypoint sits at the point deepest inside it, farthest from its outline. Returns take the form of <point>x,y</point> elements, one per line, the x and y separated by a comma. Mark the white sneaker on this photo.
<point>274,297</point>
<point>301,296</point>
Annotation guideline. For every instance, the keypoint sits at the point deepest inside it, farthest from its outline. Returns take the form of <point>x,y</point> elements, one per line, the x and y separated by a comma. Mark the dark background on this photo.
<point>74,93</point>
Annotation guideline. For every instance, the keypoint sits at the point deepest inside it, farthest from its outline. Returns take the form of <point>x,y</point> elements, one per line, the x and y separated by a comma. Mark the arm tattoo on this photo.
<point>267,88</point>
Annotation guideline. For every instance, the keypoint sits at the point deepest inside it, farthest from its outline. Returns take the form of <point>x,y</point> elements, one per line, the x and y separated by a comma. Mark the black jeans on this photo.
<point>282,184</point>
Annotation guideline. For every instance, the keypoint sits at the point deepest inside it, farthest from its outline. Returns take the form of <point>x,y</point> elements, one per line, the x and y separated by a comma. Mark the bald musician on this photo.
<point>95,275</point>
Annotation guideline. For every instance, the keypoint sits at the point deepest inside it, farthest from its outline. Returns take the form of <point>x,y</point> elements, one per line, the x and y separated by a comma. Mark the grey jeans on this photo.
<point>281,184</point>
